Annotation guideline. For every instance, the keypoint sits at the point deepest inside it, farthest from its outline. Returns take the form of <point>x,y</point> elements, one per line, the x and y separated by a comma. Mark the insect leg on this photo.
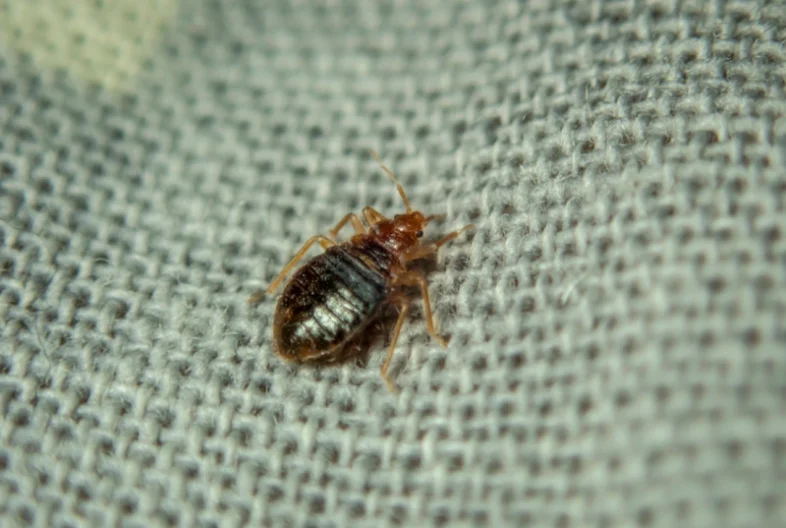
<point>323,241</point>
<point>416,278</point>
<point>372,215</point>
<point>450,236</point>
<point>403,310</point>
<point>356,224</point>
<point>429,249</point>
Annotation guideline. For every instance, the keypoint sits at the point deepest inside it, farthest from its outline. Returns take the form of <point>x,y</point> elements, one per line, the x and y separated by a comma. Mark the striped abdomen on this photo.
<point>327,301</point>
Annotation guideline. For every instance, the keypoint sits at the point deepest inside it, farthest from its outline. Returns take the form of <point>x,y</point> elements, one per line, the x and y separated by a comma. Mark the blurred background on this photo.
<point>618,341</point>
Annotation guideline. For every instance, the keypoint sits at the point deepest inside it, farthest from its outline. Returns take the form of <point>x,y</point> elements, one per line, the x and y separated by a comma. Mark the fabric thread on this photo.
<point>616,317</point>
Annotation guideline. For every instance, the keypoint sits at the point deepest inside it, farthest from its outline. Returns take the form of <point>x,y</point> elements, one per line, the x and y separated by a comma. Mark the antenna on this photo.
<point>393,177</point>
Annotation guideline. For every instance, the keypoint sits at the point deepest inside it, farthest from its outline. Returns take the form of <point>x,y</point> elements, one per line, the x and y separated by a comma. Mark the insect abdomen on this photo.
<point>374,255</point>
<point>325,303</point>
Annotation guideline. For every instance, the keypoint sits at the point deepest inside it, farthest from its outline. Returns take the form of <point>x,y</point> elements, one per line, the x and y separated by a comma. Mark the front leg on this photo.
<point>354,219</point>
<point>419,252</point>
<point>372,216</point>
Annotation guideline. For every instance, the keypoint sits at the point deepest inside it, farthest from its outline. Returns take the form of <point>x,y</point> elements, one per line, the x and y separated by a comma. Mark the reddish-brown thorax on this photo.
<point>399,234</point>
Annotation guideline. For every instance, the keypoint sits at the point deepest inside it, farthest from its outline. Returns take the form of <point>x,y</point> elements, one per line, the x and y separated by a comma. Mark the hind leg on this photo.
<point>402,303</point>
<point>416,278</point>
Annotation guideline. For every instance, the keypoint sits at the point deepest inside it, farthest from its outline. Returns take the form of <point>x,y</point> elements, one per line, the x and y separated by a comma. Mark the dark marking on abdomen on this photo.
<point>374,254</point>
<point>325,303</point>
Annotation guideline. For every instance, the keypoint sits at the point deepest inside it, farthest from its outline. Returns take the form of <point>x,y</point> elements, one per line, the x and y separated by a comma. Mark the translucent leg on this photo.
<point>403,311</point>
<point>354,220</point>
<point>323,241</point>
<point>429,249</point>
<point>415,278</point>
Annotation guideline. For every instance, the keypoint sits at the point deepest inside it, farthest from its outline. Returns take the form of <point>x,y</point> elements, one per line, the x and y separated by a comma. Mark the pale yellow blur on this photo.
<point>94,41</point>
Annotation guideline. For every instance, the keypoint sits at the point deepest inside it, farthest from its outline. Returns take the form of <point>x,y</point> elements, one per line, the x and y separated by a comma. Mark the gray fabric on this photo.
<point>616,317</point>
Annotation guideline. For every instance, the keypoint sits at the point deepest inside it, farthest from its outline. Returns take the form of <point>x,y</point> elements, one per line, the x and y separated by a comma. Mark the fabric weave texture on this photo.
<point>617,318</point>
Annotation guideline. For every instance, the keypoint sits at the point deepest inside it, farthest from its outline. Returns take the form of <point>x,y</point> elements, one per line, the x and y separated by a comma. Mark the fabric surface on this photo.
<point>617,353</point>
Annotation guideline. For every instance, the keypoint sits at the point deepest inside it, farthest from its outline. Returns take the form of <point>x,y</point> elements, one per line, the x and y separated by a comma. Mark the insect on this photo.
<point>330,301</point>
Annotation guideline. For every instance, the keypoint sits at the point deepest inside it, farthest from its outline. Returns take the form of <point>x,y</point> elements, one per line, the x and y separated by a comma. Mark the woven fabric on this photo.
<point>617,315</point>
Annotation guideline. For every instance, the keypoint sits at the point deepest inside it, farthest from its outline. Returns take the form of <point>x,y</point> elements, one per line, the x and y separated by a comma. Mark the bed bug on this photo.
<point>330,301</point>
